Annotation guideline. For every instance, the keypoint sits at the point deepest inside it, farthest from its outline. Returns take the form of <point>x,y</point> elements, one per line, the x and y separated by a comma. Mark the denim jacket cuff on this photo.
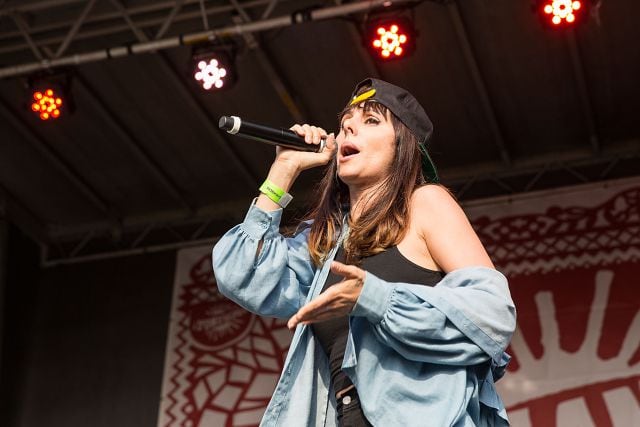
<point>374,299</point>
<point>259,223</point>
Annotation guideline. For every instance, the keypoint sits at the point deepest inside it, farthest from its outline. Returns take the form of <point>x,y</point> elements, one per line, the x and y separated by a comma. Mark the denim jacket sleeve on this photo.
<point>465,319</point>
<point>272,282</point>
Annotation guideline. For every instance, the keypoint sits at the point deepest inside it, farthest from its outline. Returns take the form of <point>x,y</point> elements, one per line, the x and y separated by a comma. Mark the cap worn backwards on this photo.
<point>407,109</point>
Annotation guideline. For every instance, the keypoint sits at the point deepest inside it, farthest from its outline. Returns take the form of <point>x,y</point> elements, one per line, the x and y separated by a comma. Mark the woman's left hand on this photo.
<point>336,301</point>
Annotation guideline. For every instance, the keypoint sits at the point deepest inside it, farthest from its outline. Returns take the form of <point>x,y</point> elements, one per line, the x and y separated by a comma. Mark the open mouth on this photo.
<point>348,150</point>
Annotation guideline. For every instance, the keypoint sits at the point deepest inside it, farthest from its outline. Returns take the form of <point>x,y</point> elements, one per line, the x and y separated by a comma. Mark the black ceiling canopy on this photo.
<point>141,165</point>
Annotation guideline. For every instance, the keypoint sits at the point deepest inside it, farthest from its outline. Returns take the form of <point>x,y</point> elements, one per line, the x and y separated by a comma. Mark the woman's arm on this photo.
<point>445,230</point>
<point>254,264</point>
<point>289,163</point>
<point>258,268</point>
<point>467,318</point>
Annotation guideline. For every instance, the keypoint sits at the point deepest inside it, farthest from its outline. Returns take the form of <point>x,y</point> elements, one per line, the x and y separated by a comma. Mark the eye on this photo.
<point>372,120</point>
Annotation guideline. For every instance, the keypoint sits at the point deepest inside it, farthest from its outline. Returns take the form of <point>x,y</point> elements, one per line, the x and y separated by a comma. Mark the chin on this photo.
<point>346,178</point>
<point>352,180</point>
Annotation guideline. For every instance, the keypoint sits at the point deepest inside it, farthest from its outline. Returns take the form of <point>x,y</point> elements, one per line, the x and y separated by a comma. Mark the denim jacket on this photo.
<point>418,355</point>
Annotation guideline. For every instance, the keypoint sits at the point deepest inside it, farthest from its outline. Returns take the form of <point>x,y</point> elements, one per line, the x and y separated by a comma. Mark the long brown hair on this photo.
<point>385,220</point>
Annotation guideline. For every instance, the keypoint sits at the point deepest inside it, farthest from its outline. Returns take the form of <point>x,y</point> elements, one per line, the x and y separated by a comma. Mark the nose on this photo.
<point>348,126</point>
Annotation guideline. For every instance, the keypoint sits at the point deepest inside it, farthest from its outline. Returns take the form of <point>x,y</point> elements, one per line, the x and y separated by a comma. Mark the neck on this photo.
<point>360,198</point>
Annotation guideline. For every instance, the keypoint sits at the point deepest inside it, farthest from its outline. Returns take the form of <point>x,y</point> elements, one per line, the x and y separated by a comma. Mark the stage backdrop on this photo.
<point>572,257</point>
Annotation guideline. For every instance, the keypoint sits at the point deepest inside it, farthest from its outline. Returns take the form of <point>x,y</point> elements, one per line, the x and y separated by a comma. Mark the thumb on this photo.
<point>331,141</point>
<point>345,270</point>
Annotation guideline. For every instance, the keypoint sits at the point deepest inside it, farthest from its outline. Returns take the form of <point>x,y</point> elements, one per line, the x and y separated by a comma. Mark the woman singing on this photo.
<point>400,317</point>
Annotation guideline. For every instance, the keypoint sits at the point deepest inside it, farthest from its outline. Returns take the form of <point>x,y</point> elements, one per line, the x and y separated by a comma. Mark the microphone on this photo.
<point>282,137</point>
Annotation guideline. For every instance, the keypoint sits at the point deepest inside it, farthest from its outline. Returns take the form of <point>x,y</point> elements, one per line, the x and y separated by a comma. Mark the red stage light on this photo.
<point>390,39</point>
<point>46,104</point>
<point>562,13</point>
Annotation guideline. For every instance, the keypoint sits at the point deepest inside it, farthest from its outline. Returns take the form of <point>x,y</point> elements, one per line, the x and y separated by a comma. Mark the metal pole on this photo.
<point>4,231</point>
<point>47,263</point>
<point>478,81</point>
<point>155,45</point>
<point>583,92</point>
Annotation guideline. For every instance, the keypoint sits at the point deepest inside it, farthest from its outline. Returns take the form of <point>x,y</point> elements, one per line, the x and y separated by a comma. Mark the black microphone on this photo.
<point>282,137</point>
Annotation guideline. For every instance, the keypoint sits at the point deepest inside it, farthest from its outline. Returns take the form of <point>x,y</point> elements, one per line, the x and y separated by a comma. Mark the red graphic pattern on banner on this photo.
<point>234,357</point>
<point>573,294</point>
<point>557,263</point>
<point>564,232</point>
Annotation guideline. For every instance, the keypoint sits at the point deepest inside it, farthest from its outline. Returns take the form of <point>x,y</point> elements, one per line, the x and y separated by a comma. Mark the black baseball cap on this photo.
<point>407,109</point>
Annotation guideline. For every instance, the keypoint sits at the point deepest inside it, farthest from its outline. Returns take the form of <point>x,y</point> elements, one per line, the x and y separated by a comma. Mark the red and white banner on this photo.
<point>222,363</point>
<point>573,262</point>
<point>572,257</point>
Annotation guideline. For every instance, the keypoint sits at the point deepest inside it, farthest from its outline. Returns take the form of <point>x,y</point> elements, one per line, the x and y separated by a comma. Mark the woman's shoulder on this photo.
<point>449,235</point>
<point>434,208</point>
<point>433,197</point>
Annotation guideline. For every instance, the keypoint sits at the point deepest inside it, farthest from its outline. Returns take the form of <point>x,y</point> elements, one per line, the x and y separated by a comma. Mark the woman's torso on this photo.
<point>391,266</point>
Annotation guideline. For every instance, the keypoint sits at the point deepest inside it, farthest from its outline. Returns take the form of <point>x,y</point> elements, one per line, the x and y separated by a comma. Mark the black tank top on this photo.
<point>390,266</point>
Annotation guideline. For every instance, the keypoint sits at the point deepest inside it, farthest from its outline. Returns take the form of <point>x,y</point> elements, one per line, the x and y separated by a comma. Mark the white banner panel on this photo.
<point>572,257</point>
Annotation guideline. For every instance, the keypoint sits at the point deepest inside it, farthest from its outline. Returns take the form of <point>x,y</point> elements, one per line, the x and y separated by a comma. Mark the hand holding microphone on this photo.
<point>307,142</point>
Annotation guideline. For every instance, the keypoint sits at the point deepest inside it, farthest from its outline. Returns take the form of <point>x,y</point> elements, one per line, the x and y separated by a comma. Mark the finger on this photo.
<point>308,133</point>
<point>321,317</point>
<point>318,134</point>
<point>347,271</point>
<point>310,310</point>
<point>296,319</point>
<point>297,129</point>
<point>293,322</point>
<point>302,317</point>
<point>331,142</point>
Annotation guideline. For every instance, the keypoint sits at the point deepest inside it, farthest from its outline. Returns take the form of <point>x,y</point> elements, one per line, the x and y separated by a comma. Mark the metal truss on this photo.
<point>145,235</point>
<point>107,21</point>
<point>158,44</point>
<point>565,169</point>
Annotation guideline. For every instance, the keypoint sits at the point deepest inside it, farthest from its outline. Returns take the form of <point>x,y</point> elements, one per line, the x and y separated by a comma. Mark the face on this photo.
<point>366,146</point>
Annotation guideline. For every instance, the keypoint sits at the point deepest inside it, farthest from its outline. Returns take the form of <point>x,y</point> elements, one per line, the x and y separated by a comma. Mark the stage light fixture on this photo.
<point>390,38</point>
<point>213,67</point>
<point>46,104</point>
<point>562,13</point>
<point>49,95</point>
<point>211,74</point>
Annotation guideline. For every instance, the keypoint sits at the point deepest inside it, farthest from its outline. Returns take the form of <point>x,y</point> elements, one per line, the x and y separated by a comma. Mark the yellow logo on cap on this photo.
<point>366,95</point>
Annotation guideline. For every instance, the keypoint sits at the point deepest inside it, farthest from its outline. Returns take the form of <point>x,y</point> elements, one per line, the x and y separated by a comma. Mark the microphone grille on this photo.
<point>229,123</point>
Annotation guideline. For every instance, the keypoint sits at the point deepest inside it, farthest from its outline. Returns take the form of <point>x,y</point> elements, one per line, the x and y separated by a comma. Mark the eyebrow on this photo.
<point>343,114</point>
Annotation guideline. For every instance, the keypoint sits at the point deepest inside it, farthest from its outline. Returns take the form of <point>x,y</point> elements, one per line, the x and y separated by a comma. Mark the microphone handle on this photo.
<point>282,137</point>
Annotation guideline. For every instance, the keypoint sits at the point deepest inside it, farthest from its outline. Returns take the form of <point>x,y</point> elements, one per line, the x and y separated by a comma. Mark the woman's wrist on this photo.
<point>281,175</point>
